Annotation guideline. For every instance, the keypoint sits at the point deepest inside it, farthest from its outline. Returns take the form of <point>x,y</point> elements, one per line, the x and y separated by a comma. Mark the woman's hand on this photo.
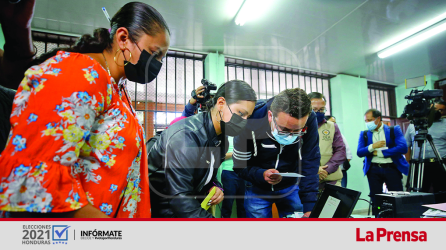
<point>218,196</point>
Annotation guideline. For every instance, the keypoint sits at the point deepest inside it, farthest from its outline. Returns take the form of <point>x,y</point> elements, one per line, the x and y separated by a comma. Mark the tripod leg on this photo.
<point>417,165</point>
<point>413,165</point>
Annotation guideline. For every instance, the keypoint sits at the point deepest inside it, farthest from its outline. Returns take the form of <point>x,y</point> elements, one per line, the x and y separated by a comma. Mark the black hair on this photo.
<point>294,102</point>
<point>233,91</point>
<point>441,102</point>
<point>316,95</point>
<point>327,117</point>
<point>375,113</point>
<point>139,19</point>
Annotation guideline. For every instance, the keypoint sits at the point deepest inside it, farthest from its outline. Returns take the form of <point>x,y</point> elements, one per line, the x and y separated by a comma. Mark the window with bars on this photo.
<point>269,80</point>
<point>382,97</point>
<point>45,42</point>
<point>159,102</point>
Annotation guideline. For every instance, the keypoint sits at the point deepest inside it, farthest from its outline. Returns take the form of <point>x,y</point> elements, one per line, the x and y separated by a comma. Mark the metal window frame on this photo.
<point>195,57</point>
<point>379,91</point>
<point>45,37</point>
<point>273,69</point>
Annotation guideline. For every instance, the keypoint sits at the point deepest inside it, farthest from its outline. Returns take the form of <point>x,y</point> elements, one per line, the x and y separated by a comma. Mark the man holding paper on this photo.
<point>279,141</point>
<point>383,150</point>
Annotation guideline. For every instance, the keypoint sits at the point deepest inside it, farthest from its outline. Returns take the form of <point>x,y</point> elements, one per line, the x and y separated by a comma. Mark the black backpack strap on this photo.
<point>365,137</point>
<point>392,133</point>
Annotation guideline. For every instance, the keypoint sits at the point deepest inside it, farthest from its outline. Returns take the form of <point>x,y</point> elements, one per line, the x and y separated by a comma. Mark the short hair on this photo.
<point>294,102</point>
<point>316,95</point>
<point>375,113</point>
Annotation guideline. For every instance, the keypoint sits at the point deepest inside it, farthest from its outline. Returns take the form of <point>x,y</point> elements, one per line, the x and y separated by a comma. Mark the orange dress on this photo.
<point>74,140</point>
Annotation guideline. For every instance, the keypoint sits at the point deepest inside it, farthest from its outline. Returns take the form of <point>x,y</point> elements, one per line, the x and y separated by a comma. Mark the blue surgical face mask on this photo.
<point>320,117</point>
<point>284,139</point>
<point>371,125</point>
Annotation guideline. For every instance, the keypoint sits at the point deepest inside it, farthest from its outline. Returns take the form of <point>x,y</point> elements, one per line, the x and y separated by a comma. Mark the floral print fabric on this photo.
<point>74,140</point>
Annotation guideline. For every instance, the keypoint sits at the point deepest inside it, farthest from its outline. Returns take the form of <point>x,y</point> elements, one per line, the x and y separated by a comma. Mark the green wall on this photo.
<point>2,38</point>
<point>349,100</point>
<point>214,68</point>
<point>401,92</point>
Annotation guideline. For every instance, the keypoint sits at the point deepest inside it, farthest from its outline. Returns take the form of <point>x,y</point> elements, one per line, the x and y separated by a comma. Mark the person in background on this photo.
<point>384,160</point>
<point>434,176</point>
<point>330,118</point>
<point>184,161</point>
<point>234,186</point>
<point>281,136</point>
<point>346,165</point>
<point>75,105</point>
<point>18,52</point>
<point>331,145</point>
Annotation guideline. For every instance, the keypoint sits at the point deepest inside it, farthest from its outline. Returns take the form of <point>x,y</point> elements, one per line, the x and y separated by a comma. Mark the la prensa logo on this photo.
<point>60,234</point>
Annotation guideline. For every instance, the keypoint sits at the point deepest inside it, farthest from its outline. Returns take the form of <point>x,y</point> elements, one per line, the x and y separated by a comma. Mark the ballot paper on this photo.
<point>330,207</point>
<point>289,174</point>
<point>434,213</point>
<point>383,148</point>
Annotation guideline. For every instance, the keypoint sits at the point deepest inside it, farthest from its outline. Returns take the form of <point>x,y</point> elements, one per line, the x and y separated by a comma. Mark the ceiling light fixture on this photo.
<point>250,10</point>
<point>420,33</point>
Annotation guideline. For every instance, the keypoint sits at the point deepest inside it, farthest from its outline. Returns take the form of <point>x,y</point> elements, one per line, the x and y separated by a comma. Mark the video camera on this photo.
<point>208,86</point>
<point>419,109</point>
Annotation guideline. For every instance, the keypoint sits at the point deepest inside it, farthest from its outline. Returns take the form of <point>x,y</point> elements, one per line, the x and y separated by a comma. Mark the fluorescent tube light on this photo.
<point>250,10</point>
<point>415,38</point>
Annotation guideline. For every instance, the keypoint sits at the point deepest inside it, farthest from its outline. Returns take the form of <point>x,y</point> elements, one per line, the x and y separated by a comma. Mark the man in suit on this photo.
<point>383,152</point>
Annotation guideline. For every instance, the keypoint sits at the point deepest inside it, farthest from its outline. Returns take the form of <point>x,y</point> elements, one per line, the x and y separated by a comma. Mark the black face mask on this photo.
<point>145,70</point>
<point>235,125</point>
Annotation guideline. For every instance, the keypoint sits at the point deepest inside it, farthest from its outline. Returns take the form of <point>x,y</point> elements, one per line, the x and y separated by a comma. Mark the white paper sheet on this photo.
<point>289,174</point>
<point>330,207</point>
<point>383,148</point>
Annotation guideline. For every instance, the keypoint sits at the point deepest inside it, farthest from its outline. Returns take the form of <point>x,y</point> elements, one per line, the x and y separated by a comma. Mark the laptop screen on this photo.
<point>335,202</point>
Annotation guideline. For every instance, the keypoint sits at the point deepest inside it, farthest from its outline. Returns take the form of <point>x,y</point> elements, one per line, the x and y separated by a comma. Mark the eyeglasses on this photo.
<point>322,110</point>
<point>300,133</point>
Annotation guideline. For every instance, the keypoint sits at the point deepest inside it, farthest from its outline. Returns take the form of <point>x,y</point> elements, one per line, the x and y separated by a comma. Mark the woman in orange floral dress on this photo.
<point>75,147</point>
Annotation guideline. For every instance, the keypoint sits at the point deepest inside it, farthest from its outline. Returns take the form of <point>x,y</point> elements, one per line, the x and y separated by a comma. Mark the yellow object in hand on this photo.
<point>205,202</point>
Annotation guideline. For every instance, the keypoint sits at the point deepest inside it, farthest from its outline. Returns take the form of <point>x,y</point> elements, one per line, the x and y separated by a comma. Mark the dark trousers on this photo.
<point>377,176</point>
<point>234,188</point>
<point>344,179</point>
<point>434,178</point>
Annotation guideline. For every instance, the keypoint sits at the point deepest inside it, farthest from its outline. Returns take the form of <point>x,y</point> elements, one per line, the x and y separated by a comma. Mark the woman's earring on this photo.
<point>219,113</point>
<point>116,56</point>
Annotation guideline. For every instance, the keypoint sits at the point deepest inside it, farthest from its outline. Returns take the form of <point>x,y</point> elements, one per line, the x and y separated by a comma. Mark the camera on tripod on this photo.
<point>419,109</point>
<point>421,113</point>
<point>208,86</point>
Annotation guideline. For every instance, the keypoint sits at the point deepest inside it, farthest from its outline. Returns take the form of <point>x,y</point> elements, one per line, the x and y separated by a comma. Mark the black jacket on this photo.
<point>180,163</point>
<point>256,150</point>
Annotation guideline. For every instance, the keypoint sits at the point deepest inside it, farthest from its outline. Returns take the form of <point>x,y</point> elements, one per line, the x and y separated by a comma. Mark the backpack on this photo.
<point>346,165</point>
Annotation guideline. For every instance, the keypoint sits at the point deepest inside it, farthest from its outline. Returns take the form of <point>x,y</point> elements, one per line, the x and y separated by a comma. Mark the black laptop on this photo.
<point>335,202</point>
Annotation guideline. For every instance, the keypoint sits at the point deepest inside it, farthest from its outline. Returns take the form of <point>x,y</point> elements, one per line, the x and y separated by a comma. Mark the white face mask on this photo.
<point>371,125</point>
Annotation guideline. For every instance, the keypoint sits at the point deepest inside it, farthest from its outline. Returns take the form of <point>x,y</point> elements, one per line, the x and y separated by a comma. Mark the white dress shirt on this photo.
<point>379,136</point>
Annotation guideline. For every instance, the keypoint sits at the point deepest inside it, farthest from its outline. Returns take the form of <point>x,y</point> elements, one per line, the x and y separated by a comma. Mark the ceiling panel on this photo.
<point>335,36</point>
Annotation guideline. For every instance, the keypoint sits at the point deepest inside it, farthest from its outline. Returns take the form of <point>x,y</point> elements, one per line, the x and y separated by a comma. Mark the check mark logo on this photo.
<point>59,234</point>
